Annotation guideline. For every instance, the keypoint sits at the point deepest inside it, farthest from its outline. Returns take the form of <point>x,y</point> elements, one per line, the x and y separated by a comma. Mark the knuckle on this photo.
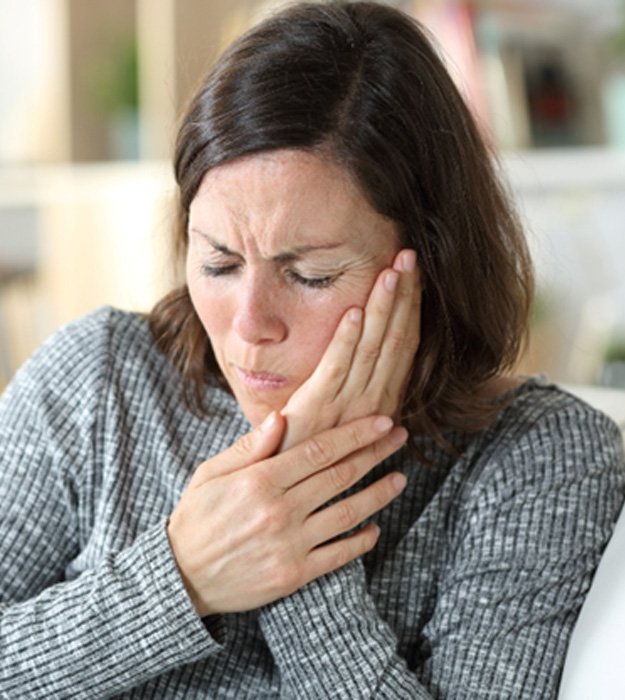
<point>412,340</point>
<point>356,436</point>
<point>271,519</point>
<point>341,475</point>
<point>319,451</point>
<point>346,515</point>
<point>369,353</point>
<point>396,341</point>
<point>250,485</point>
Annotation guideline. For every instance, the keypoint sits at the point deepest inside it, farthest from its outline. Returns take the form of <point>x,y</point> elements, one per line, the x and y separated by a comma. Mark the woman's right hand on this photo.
<point>251,527</point>
<point>365,368</point>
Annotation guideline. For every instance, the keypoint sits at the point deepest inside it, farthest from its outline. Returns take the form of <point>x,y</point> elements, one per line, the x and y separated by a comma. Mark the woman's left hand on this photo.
<point>365,367</point>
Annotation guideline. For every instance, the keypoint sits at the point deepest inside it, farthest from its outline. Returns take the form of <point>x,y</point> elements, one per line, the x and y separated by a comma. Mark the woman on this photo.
<point>307,473</point>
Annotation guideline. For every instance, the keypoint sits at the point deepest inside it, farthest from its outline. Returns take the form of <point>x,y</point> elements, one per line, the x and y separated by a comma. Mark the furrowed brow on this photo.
<point>297,252</point>
<point>213,243</point>
<point>285,257</point>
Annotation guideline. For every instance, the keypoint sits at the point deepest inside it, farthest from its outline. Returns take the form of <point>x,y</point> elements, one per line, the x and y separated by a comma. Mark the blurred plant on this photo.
<point>113,81</point>
<point>617,37</point>
<point>615,352</point>
<point>613,370</point>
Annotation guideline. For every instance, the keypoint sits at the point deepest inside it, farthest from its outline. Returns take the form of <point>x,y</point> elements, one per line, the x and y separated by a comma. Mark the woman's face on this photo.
<point>281,244</point>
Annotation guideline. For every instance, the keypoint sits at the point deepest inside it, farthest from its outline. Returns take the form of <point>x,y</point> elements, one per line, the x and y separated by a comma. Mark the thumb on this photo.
<point>258,444</point>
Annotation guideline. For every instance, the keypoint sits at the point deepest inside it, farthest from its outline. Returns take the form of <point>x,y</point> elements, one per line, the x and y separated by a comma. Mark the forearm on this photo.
<point>109,630</point>
<point>329,641</point>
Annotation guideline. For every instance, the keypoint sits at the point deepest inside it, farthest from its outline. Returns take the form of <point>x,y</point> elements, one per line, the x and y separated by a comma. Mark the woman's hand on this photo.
<point>250,527</point>
<point>366,365</point>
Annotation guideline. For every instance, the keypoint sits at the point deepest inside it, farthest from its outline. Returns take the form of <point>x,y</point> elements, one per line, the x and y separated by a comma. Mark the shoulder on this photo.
<point>545,441</point>
<point>542,487</point>
<point>104,330</point>
<point>54,402</point>
<point>105,352</point>
<point>543,420</point>
<point>109,358</point>
<point>81,350</point>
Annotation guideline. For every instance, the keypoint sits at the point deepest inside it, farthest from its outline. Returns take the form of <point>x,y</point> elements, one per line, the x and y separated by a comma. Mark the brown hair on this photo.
<point>362,81</point>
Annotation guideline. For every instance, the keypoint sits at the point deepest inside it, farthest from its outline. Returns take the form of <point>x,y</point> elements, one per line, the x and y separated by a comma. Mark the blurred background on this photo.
<point>89,95</point>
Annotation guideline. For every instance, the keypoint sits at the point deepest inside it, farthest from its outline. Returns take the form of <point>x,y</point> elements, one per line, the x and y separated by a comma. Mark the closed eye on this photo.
<point>313,282</point>
<point>291,275</point>
<point>217,270</point>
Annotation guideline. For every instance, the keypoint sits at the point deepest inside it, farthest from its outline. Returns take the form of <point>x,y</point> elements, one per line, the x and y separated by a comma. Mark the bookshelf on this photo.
<point>105,80</point>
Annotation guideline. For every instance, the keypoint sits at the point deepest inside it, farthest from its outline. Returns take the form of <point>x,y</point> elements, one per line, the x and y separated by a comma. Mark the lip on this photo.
<point>261,380</point>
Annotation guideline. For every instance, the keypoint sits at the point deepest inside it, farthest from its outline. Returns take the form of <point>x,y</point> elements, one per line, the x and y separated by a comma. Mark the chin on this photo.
<point>257,411</point>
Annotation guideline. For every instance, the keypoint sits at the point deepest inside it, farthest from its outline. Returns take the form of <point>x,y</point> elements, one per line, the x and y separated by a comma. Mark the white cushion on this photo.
<point>595,662</point>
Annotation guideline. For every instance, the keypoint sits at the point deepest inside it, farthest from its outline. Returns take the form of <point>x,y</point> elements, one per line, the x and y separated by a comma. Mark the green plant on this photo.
<point>615,352</point>
<point>113,81</point>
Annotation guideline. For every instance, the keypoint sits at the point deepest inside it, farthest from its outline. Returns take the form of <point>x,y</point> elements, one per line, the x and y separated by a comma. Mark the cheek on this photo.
<point>317,322</point>
<point>314,333</point>
<point>211,310</point>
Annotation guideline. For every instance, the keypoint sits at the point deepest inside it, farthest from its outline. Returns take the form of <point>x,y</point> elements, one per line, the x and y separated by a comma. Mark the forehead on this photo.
<point>286,197</point>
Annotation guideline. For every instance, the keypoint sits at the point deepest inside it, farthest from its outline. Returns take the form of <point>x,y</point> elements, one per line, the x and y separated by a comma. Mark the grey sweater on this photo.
<point>471,592</point>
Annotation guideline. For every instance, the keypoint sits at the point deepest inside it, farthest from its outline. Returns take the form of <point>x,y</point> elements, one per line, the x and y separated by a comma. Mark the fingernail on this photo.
<point>399,482</point>
<point>268,423</point>
<point>390,280</point>
<point>383,424</point>
<point>354,315</point>
<point>399,436</point>
<point>409,260</point>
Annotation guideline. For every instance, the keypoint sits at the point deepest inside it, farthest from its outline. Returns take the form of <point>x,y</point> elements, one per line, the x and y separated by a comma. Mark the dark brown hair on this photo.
<point>362,82</point>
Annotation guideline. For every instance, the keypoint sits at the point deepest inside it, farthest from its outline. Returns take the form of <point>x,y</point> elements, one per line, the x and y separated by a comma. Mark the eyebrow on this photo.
<point>286,256</point>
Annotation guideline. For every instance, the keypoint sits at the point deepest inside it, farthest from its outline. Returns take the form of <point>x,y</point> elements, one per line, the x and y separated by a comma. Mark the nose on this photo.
<point>260,313</point>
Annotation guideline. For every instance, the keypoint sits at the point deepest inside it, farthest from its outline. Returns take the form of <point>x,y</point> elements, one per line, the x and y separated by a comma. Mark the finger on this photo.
<point>320,451</point>
<point>329,375</point>
<point>377,314</point>
<point>329,557</point>
<point>341,517</point>
<point>317,490</point>
<point>255,446</point>
<point>402,335</point>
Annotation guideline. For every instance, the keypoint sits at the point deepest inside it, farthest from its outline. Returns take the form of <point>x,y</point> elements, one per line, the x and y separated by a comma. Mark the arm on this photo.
<point>531,529</point>
<point>116,625</point>
<point>520,542</point>
<point>109,630</point>
<point>329,641</point>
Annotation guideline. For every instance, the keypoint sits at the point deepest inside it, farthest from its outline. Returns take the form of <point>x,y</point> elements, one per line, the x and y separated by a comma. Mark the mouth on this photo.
<point>261,380</point>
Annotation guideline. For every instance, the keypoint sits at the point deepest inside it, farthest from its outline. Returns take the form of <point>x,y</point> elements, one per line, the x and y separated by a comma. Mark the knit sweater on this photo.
<point>471,592</point>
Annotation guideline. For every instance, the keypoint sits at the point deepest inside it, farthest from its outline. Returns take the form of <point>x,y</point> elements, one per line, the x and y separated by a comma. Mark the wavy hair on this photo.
<point>363,82</point>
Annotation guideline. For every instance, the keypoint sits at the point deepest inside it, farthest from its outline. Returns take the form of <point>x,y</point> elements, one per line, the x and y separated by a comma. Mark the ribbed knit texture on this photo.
<point>471,592</point>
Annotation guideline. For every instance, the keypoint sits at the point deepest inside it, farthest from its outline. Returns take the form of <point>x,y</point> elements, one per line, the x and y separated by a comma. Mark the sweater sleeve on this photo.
<point>117,625</point>
<point>329,641</point>
<point>522,539</point>
<point>530,525</point>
